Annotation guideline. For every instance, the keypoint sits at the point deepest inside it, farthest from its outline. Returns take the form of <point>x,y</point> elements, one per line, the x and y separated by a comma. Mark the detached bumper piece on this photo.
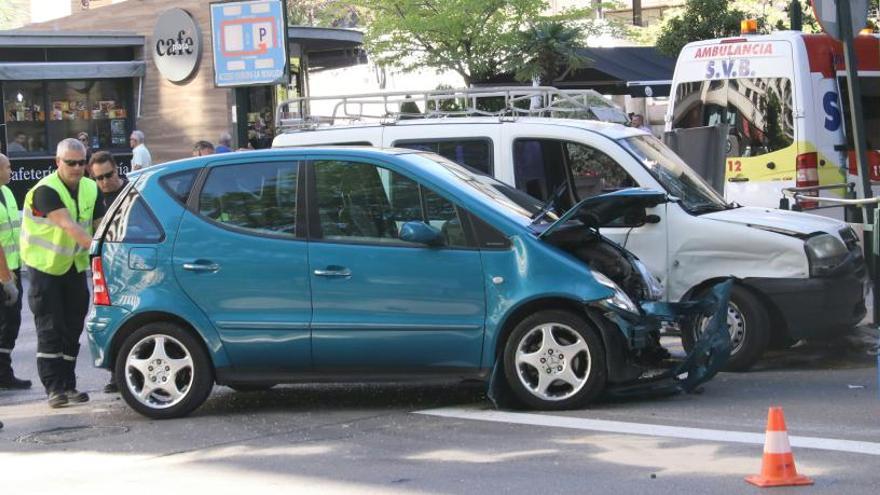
<point>706,359</point>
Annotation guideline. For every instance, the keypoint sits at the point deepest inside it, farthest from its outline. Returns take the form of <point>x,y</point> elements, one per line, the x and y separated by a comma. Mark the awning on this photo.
<point>30,71</point>
<point>616,71</point>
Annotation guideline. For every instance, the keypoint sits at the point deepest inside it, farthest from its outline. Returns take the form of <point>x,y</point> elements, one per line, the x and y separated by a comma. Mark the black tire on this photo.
<point>251,387</point>
<point>756,330</point>
<point>523,336</point>
<point>200,377</point>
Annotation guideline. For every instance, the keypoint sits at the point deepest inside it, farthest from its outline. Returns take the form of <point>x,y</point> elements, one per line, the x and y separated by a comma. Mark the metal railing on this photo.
<point>299,114</point>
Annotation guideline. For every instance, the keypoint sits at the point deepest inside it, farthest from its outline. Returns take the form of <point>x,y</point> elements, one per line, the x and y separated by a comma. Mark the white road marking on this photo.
<point>851,446</point>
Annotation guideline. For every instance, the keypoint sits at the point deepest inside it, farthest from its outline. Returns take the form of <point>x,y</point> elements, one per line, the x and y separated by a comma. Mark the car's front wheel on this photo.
<point>748,324</point>
<point>163,371</point>
<point>554,360</point>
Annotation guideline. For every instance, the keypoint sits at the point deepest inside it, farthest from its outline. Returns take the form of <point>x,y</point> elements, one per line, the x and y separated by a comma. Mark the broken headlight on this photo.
<point>825,253</point>
<point>653,287</point>
<point>619,299</point>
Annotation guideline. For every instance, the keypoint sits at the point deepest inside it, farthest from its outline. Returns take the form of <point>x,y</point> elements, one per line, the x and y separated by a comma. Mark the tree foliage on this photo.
<point>708,19</point>
<point>549,51</point>
<point>322,13</point>
<point>474,38</point>
<point>701,20</point>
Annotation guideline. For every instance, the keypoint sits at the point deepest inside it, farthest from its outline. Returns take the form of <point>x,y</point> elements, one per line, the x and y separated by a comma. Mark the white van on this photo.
<point>784,97</point>
<point>798,275</point>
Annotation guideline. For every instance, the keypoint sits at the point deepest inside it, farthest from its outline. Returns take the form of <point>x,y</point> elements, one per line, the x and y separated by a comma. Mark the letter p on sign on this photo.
<point>263,38</point>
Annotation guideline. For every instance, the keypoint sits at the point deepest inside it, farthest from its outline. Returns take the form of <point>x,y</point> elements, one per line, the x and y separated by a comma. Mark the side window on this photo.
<point>474,153</point>
<point>259,197</point>
<point>134,222</point>
<point>179,185</point>
<point>594,172</point>
<point>366,203</point>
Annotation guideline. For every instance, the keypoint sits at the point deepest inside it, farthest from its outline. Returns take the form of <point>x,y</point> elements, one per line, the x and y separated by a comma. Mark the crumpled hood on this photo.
<point>786,222</point>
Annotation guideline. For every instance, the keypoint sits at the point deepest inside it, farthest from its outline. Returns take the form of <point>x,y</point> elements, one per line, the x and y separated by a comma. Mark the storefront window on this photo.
<point>97,107</point>
<point>25,118</point>
<point>40,114</point>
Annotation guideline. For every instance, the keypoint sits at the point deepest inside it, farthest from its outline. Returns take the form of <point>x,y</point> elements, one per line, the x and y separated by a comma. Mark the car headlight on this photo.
<point>619,299</point>
<point>825,253</point>
<point>653,287</point>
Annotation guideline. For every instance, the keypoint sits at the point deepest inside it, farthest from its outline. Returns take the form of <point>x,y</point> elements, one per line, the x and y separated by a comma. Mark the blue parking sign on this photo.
<point>250,43</point>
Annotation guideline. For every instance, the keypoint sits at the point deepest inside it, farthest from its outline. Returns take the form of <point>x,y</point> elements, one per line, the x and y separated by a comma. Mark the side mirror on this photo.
<point>421,233</point>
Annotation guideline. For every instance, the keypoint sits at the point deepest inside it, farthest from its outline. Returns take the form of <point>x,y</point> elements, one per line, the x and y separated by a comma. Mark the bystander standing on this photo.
<point>202,148</point>
<point>140,155</point>
<point>59,217</point>
<point>224,144</point>
<point>105,172</point>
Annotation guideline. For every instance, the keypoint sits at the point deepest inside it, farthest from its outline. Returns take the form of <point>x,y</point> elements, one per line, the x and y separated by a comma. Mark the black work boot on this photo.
<point>10,382</point>
<point>75,396</point>
<point>57,399</point>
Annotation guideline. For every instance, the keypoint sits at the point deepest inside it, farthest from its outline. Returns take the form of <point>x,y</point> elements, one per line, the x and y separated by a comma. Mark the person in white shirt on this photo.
<point>638,121</point>
<point>140,154</point>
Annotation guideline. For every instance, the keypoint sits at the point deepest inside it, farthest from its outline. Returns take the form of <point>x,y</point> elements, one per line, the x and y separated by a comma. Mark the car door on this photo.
<point>241,255</point>
<point>542,161</point>
<point>381,303</point>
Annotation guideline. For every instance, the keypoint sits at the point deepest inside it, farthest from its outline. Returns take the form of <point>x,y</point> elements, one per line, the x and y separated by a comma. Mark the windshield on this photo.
<point>673,174</point>
<point>510,198</point>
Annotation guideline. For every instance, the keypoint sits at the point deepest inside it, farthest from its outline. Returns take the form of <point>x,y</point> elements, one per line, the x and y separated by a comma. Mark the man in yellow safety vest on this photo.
<point>58,219</point>
<point>10,279</point>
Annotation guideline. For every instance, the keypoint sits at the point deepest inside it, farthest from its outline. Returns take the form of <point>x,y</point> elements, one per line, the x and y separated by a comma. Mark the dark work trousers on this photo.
<point>10,322</point>
<point>59,304</point>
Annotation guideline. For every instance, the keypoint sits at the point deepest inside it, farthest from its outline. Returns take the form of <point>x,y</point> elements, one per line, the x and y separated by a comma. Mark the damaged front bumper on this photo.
<point>708,356</point>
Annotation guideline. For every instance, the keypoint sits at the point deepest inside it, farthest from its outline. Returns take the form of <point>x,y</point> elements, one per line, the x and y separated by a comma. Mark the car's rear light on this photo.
<point>807,166</point>
<point>99,283</point>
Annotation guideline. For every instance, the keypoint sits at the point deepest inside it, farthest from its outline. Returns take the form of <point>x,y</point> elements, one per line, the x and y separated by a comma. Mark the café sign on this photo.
<point>176,45</point>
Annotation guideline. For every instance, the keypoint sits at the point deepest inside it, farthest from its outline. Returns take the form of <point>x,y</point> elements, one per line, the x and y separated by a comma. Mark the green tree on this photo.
<point>322,13</point>
<point>13,14</point>
<point>475,38</point>
<point>550,51</point>
<point>700,20</point>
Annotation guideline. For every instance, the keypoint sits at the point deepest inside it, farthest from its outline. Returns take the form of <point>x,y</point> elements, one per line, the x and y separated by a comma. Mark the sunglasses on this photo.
<point>105,176</point>
<point>74,163</point>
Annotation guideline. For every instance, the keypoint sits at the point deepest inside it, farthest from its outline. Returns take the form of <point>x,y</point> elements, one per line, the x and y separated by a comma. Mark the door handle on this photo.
<point>201,267</point>
<point>334,272</point>
<point>738,179</point>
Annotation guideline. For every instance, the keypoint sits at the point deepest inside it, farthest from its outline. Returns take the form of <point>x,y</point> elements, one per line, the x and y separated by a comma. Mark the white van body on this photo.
<point>761,247</point>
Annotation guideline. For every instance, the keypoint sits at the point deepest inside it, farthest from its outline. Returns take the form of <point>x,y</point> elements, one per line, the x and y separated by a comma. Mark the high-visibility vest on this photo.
<point>46,246</point>
<point>10,228</point>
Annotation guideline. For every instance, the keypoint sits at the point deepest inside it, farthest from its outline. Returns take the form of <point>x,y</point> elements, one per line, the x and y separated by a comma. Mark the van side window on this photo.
<point>259,197</point>
<point>541,165</point>
<point>474,153</point>
<point>134,222</point>
<point>360,202</point>
<point>759,112</point>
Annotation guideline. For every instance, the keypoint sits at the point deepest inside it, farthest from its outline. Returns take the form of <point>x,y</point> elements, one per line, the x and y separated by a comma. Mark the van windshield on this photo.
<point>679,180</point>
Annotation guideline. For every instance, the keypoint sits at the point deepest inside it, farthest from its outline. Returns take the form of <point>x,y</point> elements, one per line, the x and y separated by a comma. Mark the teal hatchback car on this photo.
<point>352,264</point>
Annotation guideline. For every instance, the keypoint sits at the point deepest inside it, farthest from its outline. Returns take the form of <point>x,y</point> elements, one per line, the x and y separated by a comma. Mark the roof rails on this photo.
<point>307,113</point>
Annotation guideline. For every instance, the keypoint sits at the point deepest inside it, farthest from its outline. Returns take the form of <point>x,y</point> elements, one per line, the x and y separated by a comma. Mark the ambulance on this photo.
<point>785,100</point>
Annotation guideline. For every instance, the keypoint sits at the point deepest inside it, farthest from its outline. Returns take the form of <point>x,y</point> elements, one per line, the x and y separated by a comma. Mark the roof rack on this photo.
<point>304,113</point>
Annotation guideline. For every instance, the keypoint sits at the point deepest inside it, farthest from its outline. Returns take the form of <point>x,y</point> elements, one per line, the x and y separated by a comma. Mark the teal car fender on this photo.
<point>530,272</point>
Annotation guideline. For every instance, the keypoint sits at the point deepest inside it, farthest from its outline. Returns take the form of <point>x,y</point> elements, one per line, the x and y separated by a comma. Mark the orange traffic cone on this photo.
<point>777,468</point>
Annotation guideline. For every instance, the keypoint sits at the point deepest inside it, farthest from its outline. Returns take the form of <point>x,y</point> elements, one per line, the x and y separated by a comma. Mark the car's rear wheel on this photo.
<point>554,360</point>
<point>163,371</point>
<point>749,325</point>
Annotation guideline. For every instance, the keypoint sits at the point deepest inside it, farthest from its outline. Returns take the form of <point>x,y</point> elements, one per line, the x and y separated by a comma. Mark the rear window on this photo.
<point>133,222</point>
<point>759,112</point>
